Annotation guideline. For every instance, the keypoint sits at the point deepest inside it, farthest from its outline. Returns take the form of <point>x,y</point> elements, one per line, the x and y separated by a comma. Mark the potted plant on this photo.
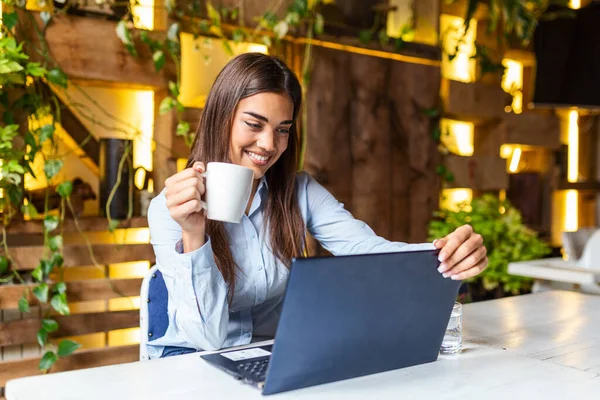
<point>506,238</point>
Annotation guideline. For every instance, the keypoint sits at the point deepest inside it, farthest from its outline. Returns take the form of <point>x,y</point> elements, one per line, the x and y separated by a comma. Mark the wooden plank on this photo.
<point>530,128</point>
<point>96,289</point>
<point>89,290</point>
<point>28,257</point>
<point>473,101</point>
<point>80,55</point>
<point>427,21</point>
<point>86,224</point>
<point>24,331</point>
<point>477,172</point>
<point>459,9</point>
<point>81,359</point>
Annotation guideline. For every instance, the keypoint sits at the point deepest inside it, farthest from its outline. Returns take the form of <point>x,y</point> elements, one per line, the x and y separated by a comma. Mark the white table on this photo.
<point>544,345</point>
<point>550,272</point>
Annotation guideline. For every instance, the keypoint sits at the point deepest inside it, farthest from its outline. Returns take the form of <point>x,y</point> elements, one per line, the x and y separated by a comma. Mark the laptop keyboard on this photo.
<point>256,369</point>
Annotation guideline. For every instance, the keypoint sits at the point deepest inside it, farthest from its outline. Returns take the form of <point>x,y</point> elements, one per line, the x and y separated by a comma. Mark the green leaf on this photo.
<point>29,210</point>
<point>436,133</point>
<point>59,303</point>
<point>55,242</point>
<point>319,24</point>
<point>46,132</point>
<point>8,117</point>
<point>51,222</point>
<point>227,47</point>
<point>3,264</point>
<point>280,29</point>
<point>52,167</point>
<point>365,36</point>
<point>432,112</point>
<point>46,17</point>
<point>166,105</point>
<point>38,273</point>
<point>174,89</point>
<point>65,189</point>
<point>41,292</point>
<point>30,140</point>
<point>203,26</point>
<point>23,304</point>
<point>10,20</point>
<point>57,77</point>
<point>42,337</point>
<point>399,44</point>
<point>60,287</point>
<point>237,35</point>
<point>57,260</point>
<point>48,361</point>
<point>173,32</point>
<point>159,60</point>
<point>266,40</point>
<point>213,14</point>
<point>183,128</point>
<point>112,225</point>
<point>124,34</point>
<point>67,347</point>
<point>34,69</point>
<point>49,325</point>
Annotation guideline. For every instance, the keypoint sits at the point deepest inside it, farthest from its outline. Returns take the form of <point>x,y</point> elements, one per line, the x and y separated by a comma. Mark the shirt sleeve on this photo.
<point>197,291</point>
<point>338,231</point>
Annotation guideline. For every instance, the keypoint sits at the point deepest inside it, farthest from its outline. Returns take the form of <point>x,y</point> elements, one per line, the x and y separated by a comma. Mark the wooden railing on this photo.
<point>19,352</point>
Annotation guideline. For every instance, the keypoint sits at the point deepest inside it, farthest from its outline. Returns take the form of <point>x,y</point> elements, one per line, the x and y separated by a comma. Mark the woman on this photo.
<point>225,281</point>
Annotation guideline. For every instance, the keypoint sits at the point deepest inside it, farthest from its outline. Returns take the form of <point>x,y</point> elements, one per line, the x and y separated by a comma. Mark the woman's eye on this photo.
<point>285,131</point>
<point>253,126</point>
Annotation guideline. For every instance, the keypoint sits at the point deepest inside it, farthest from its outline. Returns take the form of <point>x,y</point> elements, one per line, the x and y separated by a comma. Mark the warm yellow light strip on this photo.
<point>142,143</point>
<point>575,4</point>
<point>512,82</point>
<point>451,198</point>
<point>573,163</point>
<point>571,211</point>
<point>514,161</point>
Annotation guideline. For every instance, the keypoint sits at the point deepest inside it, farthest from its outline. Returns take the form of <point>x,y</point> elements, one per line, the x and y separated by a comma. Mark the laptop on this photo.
<point>350,316</point>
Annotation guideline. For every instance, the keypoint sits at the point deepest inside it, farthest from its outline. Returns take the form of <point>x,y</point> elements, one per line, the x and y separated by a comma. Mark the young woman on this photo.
<point>226,281</point>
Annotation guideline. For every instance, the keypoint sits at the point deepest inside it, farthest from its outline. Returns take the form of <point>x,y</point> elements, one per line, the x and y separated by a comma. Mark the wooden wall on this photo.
<point>370,143</point>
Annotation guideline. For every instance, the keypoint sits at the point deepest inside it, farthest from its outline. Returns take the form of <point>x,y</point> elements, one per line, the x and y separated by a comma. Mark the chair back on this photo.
<point>154,311</point>
<point>574,242</point>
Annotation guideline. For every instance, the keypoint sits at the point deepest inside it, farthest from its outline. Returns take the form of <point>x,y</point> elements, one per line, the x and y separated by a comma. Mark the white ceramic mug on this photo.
<point>227,191</point>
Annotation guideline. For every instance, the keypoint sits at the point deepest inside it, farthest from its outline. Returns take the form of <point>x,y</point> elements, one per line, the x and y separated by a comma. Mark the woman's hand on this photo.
<point>184,191</point>
<point>462,254</point>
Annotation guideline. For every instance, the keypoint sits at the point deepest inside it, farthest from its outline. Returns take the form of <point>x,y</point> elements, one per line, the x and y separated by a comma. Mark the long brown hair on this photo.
<point>244,76</point>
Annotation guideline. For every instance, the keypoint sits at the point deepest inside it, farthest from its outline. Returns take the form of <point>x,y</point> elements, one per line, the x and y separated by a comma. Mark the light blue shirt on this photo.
<point>199,314</point>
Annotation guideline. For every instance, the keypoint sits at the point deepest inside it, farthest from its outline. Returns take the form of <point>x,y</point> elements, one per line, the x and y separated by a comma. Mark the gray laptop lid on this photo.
<point>350,316</point>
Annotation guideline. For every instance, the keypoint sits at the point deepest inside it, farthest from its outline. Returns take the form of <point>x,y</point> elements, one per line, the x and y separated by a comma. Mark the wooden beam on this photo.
<point>79,360</point>
<point>89,290</point>
<point>88,48</point>
<point>481,173</point>
<point>427,21</point>
<point>473,101</point>
<point>86,224</point>
<point>459,9</point>
<point>28,257</point>
<point>531,128</point>
<point>24,331</point>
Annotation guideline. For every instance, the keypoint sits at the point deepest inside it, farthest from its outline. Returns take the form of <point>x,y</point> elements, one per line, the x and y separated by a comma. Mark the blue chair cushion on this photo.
<point>158,302</point>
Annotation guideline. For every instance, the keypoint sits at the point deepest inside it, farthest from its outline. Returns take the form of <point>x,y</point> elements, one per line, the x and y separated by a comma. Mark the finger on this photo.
<point>197,181</point>
<point>439,243</point>
<point>454,240</point>
<point>477,269</point>
<point>184,210</point>
<point>468,262</point>
<point>464,249</point>
<point>183,196</point>
<point>185,174</point>
<point>198,166</point>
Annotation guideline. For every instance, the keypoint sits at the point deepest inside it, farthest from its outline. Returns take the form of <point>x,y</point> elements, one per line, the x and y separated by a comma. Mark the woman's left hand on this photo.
<point>462,254</point>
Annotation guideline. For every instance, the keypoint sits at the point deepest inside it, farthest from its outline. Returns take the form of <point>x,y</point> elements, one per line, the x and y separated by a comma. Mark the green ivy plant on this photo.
<point>505,236</point>
<point>23,100</point>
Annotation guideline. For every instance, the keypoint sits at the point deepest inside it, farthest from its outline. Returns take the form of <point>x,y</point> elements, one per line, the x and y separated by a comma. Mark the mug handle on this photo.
<point>202,202</point>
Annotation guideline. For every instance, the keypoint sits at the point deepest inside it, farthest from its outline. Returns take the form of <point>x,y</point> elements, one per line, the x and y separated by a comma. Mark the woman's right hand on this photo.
<point>184,191</point>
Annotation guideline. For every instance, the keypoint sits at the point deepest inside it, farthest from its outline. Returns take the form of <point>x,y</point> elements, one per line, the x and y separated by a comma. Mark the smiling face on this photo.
<point>260,131</point>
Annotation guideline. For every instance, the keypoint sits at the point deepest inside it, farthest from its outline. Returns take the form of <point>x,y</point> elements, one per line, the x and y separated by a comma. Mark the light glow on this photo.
<point>571,211</point>
<point>462,67</point>
<point>512,83</point>
<point>143,14</point>
<point>573,132</point>
<point>452,198</point>
<point>457,136</point>
<point>514,160</point>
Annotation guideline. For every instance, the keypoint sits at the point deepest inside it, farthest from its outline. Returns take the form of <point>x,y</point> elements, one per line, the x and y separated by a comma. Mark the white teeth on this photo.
<point>256,156</point>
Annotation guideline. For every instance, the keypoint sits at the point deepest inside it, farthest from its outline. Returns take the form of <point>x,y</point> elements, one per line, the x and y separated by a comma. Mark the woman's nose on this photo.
<point>266,140</point>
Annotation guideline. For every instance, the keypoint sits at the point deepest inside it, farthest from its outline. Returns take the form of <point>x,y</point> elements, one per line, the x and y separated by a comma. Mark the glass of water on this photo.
<point>452,343</point>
